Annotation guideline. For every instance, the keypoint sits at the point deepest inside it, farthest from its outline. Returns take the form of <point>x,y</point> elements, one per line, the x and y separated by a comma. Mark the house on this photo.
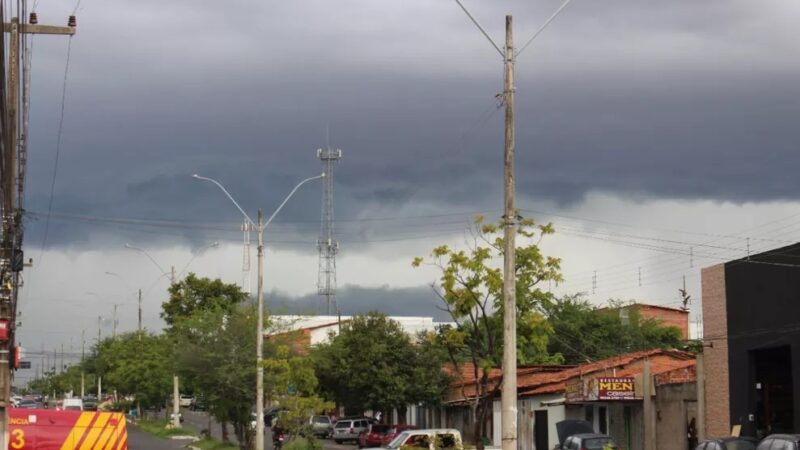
<point>670,317</point>
<point>608,393</point>
<point>752,345</point>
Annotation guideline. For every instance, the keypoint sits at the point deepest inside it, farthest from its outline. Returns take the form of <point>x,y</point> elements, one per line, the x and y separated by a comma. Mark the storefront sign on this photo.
<point>616,389</point>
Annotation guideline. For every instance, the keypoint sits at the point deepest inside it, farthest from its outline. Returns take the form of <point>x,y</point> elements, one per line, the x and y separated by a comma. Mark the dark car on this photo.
<point>394,431</point>
<point>579,435</point>
<point>373,437</point>
<point>728,443</point>
<point>28,403</point>
<point>780,442</point>
<point>90,403</point>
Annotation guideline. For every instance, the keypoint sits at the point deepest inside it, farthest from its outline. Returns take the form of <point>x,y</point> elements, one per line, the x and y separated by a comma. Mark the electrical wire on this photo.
<point>59,139</point>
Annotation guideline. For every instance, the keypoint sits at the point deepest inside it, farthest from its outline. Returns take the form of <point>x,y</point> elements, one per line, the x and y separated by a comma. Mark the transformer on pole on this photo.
<point>327,244</point>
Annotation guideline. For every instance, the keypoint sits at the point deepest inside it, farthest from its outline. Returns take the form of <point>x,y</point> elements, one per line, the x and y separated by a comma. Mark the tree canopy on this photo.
<point>193,293</point>
<point>373,365</point>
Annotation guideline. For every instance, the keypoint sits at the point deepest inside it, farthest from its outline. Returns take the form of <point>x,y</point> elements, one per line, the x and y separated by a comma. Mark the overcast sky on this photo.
<point>657,136</point>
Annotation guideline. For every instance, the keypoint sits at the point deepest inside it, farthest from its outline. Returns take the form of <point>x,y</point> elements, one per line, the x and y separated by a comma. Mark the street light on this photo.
<point>260,226</point>
<point>141,250</point>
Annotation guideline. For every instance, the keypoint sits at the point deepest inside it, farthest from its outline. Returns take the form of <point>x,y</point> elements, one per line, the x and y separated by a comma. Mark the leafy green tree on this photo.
<point>193,293</point>
<point>140,364</point>
<point>373,365</point>
<point>215,348</point>
<point>471,290</point>
<point>582,332</point>
<point>289,380</point>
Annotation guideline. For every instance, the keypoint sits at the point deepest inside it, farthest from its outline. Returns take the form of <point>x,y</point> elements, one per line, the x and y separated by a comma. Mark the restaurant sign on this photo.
<point>579,390</point>
<point>616,389</point>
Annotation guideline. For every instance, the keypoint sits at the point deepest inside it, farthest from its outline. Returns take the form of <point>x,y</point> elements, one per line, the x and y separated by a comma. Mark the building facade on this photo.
<point>752,343</point>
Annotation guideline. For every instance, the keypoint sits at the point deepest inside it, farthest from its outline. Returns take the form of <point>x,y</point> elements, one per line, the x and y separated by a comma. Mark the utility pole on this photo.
<point>114,324</point>
<point>140,310</point>
<point>11,199</point>
<point>509,393</point>
<point>259,337</point>
<point>83,373</point>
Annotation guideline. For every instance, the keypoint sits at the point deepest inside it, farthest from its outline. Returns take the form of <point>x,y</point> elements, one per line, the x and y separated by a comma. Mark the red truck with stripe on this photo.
<point>45,429</point>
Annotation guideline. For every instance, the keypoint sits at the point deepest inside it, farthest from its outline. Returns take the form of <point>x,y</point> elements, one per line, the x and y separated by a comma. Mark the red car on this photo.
<point>373,436</point>
<point>394,431</point>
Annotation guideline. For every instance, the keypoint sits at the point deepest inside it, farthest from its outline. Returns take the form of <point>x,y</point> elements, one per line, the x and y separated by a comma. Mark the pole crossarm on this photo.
<point>40,29</point>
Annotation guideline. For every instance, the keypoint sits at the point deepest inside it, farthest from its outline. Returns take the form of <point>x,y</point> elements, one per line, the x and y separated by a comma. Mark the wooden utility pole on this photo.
<point>11,228</point>
<point>509,391</point>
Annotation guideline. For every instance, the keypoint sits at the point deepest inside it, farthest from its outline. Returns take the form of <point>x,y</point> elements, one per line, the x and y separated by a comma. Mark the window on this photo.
<point>446,441</point>
<point>782,444</point>
<point>322,419</point>
<point>343,424</point>
<point>765,444</point>
<point>702,446</point>
<point>418,441</point>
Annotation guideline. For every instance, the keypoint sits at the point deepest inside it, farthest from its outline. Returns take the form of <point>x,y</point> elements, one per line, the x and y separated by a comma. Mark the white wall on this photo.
<point>525,420</point>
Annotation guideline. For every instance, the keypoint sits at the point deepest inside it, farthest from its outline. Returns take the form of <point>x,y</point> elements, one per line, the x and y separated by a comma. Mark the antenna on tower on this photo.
<point>327,245</point>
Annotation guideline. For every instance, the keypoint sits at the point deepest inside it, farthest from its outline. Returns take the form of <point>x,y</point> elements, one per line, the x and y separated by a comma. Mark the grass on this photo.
<point>213,444</point>
<point>159,428</point>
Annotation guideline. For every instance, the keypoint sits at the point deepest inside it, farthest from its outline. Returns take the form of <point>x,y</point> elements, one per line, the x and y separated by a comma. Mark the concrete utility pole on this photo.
<point>259,337</point>
<point>83,353</point>
<point>176,406</point>
<point>649,408</point>
<point>11,203</point>
<point>509,392</point>
<point>114,324</point>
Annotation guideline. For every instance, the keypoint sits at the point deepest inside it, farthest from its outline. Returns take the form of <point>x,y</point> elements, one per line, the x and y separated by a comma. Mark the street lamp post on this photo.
<point>260,226</point>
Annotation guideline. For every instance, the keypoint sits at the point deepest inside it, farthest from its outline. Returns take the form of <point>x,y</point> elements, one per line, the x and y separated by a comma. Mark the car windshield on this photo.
<point>599,444</point>
<point>399,440</point>
<point>322,419</point>
<point>343,424</point>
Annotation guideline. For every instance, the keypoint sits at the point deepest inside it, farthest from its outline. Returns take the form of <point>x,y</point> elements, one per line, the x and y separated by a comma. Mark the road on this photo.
<point>139,440</point>
<point>197,421</point>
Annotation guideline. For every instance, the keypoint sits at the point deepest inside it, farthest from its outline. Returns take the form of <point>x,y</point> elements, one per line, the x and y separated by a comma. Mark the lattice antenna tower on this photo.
<point>327,244</point>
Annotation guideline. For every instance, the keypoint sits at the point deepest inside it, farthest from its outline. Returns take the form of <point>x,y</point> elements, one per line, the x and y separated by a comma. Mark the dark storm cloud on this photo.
<point>359,300</point>
<point>665,99</point>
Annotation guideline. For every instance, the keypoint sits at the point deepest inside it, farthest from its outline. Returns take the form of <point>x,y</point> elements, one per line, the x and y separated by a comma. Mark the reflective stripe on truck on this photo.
<point>44,429</point>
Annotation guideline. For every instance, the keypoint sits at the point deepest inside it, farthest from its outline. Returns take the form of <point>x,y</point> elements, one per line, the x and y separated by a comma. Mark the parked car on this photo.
<point>430,439</point>
<point>28,403</point>
<point>374,435</point>
<point>394,431</point>
<point>579,435</point>
<point>198,404</point>
<point>780,442</point>
<point>728,443</point>
<point>185,400</point>
<point>321,426</point>
<point>90,403</point>
<point>72,404</point>
<point>349,429</point>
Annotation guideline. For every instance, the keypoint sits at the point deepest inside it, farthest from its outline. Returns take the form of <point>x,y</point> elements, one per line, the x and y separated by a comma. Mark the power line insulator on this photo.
<point>73,22</point>
<point>34,19</point>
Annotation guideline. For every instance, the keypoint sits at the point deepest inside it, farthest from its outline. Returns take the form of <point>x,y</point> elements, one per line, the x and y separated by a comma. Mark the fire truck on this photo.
<point>46,429</point>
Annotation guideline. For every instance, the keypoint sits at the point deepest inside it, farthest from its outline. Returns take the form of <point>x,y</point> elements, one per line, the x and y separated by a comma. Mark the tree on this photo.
<point>372,365</point>
<point>471,291</point>
<point>290,381</point>
<point>584,333</point>
<point>193,293</point>
<point>140,364</point>
<point>215,349</point>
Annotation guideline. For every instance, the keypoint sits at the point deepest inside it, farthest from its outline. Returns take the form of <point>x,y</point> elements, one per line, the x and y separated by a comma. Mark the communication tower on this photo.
<point>327,244</point>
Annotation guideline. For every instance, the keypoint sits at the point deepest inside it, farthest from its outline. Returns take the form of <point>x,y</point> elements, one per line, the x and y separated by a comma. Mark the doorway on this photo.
<point>541,430</point>
<point>773,390</point>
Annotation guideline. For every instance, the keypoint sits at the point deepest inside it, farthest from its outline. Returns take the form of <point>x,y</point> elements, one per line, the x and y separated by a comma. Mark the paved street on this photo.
<point>139,440</point>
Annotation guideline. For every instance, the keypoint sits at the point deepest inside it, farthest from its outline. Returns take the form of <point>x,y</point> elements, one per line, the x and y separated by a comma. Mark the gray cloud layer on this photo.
<point>678,99</point>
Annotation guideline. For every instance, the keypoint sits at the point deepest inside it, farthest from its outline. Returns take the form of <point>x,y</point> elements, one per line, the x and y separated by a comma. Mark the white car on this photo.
<point>185,400</point>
